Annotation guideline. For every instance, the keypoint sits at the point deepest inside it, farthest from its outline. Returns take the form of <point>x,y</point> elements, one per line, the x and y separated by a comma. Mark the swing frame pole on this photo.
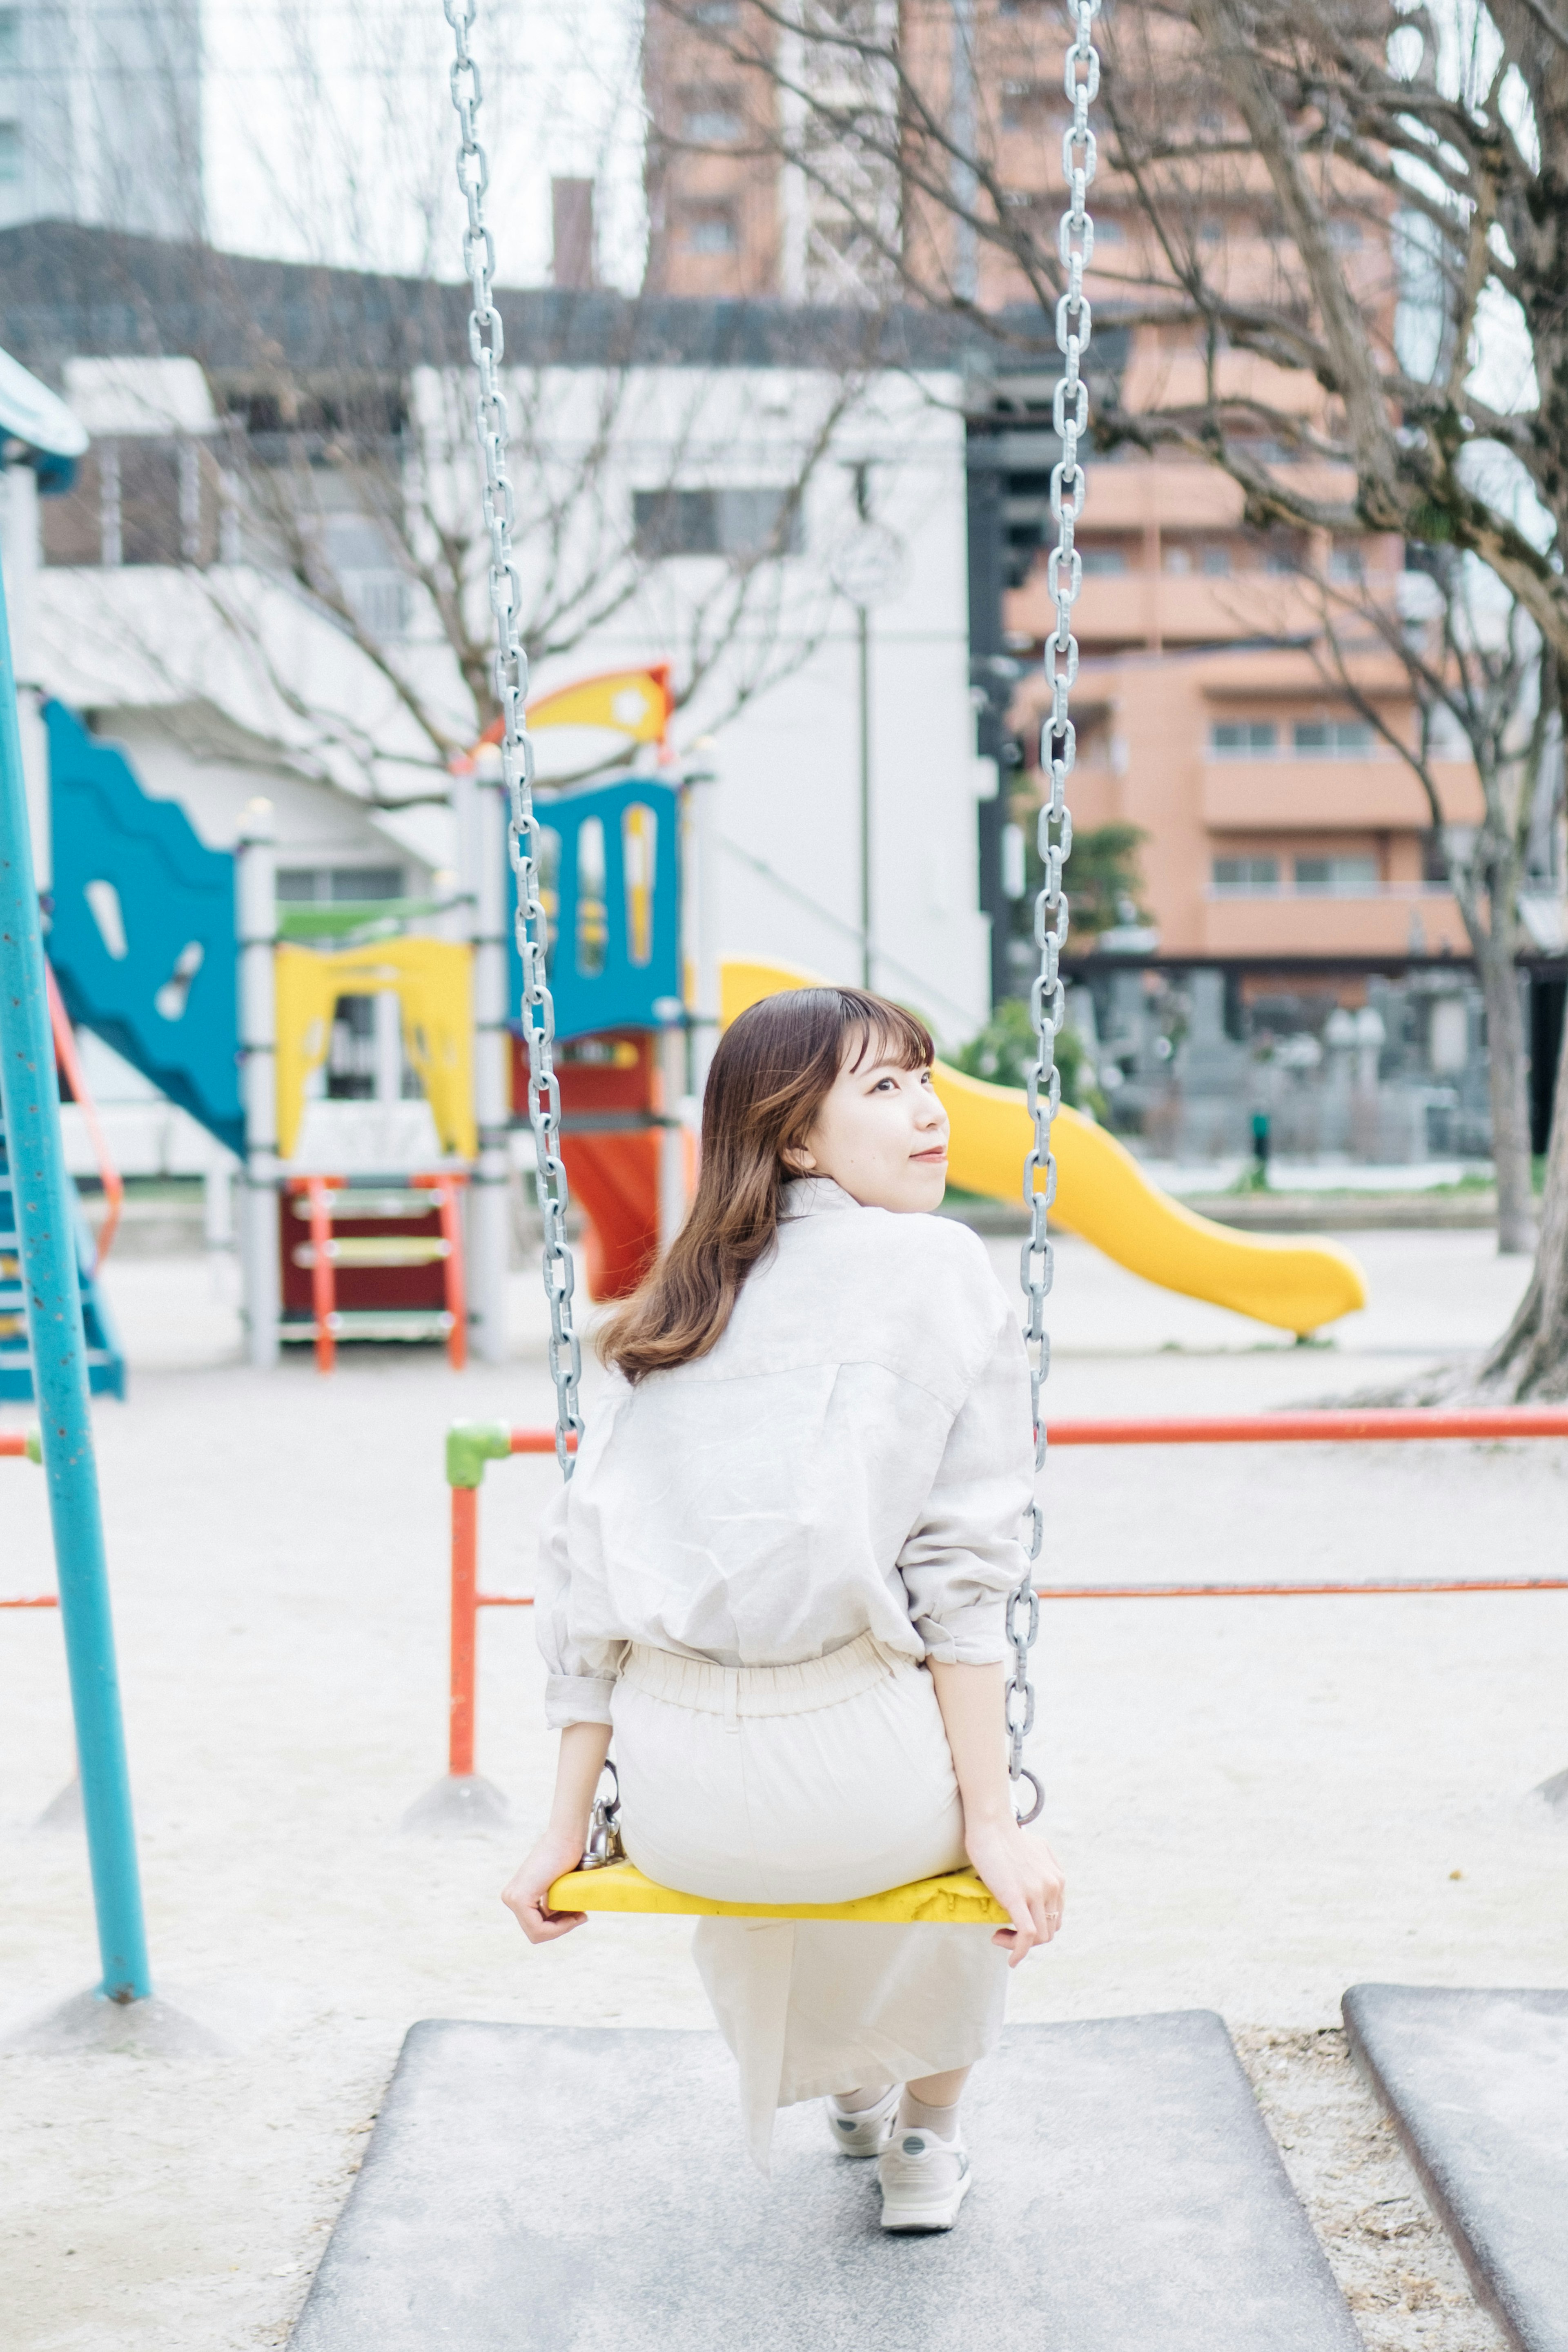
<point>46,1237</point>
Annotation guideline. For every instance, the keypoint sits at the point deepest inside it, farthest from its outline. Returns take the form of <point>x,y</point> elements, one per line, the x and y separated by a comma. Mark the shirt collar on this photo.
<point>808,1196</point>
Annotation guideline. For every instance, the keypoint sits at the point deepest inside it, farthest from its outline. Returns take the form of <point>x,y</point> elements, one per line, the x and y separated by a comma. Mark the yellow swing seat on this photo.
<point>956,1898</point>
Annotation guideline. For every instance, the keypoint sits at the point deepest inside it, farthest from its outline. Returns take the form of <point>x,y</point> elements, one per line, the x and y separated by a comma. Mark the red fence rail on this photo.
<point>471,1444</point>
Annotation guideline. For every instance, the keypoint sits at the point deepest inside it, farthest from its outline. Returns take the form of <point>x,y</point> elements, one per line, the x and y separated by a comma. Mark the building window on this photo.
<point>711,231</point>
<point>1331,738</point>
<point>712,121</point>
<point>1104,560</point>
<point>1347,560</point>
<point>714,11</point>
<point>1337,877</point>
<point>741,523</point>
<point>1345,233</point>
<point>1245,877</point>
<point>1215,561</point>
<point>137,501</point>
<point>1242,739</point>
<point>1025,104</point>
<point>10,40</point>
<point>10,153</point>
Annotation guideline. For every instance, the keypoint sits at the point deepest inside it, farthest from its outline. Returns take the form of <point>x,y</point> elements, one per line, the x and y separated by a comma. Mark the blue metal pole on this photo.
<point>30,1096</point>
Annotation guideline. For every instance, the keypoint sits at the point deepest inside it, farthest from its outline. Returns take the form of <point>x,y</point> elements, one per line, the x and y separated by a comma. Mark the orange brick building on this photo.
<point>1276,822</point>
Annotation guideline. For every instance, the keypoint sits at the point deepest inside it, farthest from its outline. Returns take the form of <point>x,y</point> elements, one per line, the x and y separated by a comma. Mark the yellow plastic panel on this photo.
<point>957,1899</point>
<point>636,702</point>
<point>433,981</point>
<point>1103,1194</point>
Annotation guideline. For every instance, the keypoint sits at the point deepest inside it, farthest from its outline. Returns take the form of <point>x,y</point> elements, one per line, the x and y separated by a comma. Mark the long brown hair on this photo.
<point>769,1077</point>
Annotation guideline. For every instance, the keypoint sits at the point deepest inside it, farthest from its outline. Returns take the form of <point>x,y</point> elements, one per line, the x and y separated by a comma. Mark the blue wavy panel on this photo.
<point>603,975</point>
<point>142,933</point>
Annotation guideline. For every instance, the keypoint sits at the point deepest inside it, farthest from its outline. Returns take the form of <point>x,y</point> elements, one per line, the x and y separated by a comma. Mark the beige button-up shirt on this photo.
<point>853,1457</point>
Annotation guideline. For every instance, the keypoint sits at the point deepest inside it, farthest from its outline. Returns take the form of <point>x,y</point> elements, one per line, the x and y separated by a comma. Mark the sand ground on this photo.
<point>1258,1802</point>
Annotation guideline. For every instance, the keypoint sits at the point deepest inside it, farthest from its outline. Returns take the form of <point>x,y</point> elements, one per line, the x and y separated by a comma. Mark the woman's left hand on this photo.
<point>526,1894</point>
<point>1023,1875</point>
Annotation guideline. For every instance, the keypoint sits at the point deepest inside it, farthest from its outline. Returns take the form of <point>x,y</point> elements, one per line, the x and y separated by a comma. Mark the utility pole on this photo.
<point>863,647</point>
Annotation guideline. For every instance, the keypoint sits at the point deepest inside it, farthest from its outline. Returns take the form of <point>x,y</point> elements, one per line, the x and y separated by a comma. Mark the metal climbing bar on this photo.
<point>29,1103</point>
<point>1338,1426</point>
<point>471,1445</point>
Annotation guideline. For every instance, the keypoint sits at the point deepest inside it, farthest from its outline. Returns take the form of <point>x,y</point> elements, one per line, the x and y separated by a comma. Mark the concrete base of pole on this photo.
<point>461,1804</point>
<point>63,1811</point>
<point>88,2024</point>
<point>490,1238</point>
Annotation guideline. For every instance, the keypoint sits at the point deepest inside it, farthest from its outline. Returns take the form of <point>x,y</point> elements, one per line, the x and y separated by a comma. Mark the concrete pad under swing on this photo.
<point>587,2189</point>
<point>1476,2083</point>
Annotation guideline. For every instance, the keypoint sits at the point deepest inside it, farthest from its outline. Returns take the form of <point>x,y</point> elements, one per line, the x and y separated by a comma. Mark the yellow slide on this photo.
<point>1103,1194</point>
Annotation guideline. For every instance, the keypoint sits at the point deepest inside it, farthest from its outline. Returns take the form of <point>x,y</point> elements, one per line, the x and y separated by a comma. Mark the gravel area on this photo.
<point>1396,2267</point>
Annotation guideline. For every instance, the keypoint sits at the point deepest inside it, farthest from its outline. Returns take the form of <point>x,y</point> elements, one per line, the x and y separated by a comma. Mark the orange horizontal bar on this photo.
<point>1326,1427</point>
<point>1214,1591</point>
<point>1331,1428</point>
<point>44,1601</point>
<point>15,1442</point>
<point>1232,1591</point>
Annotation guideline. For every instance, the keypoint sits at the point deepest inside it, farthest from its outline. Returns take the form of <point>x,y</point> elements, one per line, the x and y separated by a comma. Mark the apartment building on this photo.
<point>1276,822</point>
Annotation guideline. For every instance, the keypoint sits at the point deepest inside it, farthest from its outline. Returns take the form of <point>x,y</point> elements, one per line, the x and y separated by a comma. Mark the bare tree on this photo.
<point>339,485</point>
<point>1325,208</point>
<point>1482,686</point>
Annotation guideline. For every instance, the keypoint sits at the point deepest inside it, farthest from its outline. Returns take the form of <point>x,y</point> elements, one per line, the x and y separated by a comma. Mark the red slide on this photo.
<point>612,1163</point>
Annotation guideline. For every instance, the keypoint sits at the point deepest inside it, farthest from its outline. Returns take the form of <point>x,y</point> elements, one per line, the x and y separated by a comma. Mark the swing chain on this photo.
<point>487,344</point>
<point>1059,750</point>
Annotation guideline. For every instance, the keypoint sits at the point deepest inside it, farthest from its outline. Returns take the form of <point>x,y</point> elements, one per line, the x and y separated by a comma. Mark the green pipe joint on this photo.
<point>470,1445</point>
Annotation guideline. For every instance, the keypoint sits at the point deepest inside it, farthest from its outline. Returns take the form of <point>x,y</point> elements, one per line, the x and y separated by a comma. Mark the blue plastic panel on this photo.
<point>153,970</point>
<point>594,977</point>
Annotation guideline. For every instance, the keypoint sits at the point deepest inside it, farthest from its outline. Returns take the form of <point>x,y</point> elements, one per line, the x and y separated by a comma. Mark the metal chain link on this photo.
<point>1059,750</point>
<point>487,342</point>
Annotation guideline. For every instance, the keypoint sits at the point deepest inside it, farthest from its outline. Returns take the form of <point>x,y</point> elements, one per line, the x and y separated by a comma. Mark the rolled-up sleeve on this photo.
<point>966,1552</point>
<point>580,1671</point>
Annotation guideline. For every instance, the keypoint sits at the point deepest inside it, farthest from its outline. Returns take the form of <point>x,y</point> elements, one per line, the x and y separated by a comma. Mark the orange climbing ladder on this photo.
<point>375,1262</point>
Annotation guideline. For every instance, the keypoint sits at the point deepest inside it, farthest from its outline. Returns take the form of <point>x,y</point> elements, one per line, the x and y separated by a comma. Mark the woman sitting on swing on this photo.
<point>780,1573</point>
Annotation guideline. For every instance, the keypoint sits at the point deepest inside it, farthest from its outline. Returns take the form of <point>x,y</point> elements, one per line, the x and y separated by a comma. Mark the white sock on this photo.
<point>915,2116</point>
<point>857,2103</point>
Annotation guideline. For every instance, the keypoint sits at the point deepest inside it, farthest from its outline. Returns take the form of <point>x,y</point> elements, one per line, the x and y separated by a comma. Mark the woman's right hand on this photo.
<point>1025,1876</point>
<point>526,1893</point>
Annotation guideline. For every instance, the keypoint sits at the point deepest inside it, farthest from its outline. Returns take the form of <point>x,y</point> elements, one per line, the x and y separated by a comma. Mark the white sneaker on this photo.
<point>924,2182</point>
<point>866,2132</point>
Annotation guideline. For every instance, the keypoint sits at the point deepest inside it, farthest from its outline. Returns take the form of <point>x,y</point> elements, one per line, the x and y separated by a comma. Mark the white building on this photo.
<point>749,495</point>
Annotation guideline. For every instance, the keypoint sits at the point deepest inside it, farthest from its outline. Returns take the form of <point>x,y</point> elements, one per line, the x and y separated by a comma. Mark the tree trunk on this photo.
<point>1530,1362</point>
<point>1510,1097</point>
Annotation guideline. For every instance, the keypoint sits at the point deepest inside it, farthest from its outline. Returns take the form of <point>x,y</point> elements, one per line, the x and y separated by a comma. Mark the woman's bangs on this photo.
<point>885,1032</point>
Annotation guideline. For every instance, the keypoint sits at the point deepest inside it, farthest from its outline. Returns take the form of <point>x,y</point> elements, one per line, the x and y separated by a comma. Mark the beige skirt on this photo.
<point>813,1783</point>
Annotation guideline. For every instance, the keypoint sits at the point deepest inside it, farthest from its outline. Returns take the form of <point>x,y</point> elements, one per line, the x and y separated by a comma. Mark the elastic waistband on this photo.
<point>734,1691</point>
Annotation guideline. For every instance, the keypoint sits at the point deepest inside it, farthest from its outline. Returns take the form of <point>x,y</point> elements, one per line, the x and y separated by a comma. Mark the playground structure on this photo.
<point>182,959</point>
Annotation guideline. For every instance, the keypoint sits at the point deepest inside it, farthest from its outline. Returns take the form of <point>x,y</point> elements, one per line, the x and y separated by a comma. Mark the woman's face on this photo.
<point>881,1134</point>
